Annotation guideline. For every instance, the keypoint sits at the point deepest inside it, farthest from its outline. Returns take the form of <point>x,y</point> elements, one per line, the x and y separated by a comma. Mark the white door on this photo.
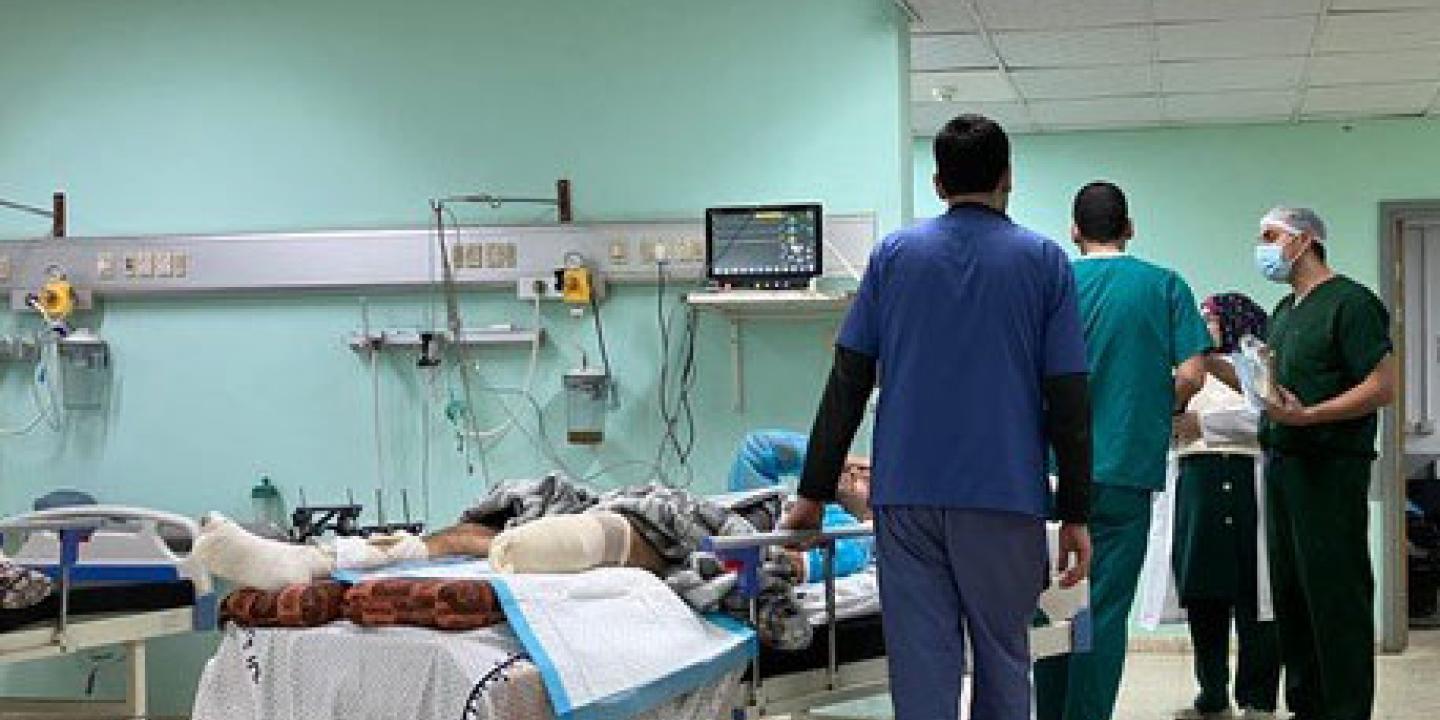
<point>1422,343</point>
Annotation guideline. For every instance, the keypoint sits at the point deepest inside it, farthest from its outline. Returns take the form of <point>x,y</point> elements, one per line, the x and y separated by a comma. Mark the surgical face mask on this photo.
<point>1271,262</point>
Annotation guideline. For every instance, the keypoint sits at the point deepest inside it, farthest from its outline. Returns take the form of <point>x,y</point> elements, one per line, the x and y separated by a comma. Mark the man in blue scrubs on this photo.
<point>972,319</point>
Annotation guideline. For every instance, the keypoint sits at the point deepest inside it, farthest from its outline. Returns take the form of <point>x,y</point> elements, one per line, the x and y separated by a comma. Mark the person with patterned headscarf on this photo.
<point>1218,549</point>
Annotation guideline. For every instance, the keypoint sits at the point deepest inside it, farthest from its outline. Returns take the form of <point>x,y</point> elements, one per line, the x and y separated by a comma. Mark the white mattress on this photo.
<point>343,672</point>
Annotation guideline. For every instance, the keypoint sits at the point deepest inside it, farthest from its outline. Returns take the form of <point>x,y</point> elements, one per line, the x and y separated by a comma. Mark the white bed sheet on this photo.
<point>344,672</point>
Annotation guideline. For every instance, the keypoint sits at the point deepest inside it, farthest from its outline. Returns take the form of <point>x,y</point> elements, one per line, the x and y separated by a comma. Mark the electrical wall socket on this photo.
<point>474,255</point>
<point>163,268</point>
<point>691,250</point>
<point>500,256</point>
<point>105,266</point>
<point>544,286</point>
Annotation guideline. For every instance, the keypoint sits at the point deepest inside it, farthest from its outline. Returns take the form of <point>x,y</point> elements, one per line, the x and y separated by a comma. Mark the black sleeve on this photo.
<point>842,408</point>
<point>1067,424</point>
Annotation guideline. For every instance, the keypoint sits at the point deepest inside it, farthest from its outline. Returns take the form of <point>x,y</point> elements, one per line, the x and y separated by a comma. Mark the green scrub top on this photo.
<point>1324,346</point>
<point>1141,321</point>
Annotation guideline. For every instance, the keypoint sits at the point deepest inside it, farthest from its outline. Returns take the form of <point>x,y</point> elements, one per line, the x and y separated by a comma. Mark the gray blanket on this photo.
<point>675,522</point>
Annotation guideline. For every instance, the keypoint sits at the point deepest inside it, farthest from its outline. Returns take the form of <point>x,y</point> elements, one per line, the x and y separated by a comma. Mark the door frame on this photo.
<point>1389,470</point>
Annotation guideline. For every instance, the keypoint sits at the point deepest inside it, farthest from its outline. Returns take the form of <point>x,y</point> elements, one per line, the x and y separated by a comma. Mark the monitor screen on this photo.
<point>751,245</point>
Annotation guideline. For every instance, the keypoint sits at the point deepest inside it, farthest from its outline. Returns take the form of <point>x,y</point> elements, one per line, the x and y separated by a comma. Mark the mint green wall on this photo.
<point>168,116</point>
<point>1196,195</point>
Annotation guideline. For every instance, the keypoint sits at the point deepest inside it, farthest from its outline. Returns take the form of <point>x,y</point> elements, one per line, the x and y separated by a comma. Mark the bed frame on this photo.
<point>800,694</point>
<point>93,545</point>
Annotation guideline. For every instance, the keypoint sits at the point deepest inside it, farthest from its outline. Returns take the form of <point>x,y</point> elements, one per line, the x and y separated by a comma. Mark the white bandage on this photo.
<point>407,547</point>
<point>353,553</point>
<point>229,551</point>
<point>357,553</point>
<point>563,544</point>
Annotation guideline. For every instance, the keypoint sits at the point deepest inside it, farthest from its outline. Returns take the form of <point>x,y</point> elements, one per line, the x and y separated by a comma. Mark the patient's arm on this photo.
<point>465,539</point>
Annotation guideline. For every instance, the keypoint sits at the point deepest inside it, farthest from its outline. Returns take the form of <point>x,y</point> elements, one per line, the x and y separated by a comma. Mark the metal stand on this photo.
<point>311,521</point>
<point>137,704</point>
<point>739,308</point>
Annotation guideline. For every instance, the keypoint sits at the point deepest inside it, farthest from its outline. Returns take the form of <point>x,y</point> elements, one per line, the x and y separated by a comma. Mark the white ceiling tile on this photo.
<point>1061,14</point>
<point>1235,39</point>
<point>1103,125</point>
<point>1228,106</point>
<point>1369,99</point>
<point>1276,119</point>
<point>1243,74</point>
<point>1107,112</point>
<point>1070,48</point>
<point>927,117</point>
<point>943,52</point>
<point>1175,10</point>
<point>968,86</point>
<point>1380,32</point>
<point>1383,4</point>
<point>942,15</point>
<point>1375,67</point>
<point>1084,82</point>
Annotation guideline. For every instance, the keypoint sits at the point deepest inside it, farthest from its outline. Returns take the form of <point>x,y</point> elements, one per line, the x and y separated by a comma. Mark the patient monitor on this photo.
<point>770,247</point>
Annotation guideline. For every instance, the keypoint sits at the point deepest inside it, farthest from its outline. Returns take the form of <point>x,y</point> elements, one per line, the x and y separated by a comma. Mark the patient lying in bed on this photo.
<point>548,526</point>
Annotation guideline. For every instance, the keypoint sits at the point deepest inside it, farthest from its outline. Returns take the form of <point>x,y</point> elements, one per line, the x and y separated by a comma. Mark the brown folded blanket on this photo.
<point>309,605</point>
<point>440,604</point>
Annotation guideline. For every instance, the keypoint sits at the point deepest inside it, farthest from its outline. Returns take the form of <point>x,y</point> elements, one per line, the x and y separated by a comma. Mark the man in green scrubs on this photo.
<point>1145,341</point>
<point>1333,370</point>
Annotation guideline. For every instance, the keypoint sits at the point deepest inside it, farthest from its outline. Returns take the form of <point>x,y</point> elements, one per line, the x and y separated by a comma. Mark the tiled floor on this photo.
<point>1158,683</point>
<point>1408,685</point>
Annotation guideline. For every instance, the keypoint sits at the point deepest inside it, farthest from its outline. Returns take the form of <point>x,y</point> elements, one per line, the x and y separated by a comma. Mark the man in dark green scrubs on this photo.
<point>1333,370</point>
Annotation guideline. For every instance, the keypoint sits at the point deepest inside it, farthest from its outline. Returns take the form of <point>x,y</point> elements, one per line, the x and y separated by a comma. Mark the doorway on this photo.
<point>1407,485</point>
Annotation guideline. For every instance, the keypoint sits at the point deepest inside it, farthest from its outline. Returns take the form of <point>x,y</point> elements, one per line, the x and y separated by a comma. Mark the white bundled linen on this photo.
<point>856,596</point>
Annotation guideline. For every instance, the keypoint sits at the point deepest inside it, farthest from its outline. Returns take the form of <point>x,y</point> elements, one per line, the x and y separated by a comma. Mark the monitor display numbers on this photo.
<point>773,241</point>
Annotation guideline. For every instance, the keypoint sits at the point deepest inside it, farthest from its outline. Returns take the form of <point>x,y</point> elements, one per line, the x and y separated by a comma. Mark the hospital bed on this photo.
<point>344,671</point>
<point>119,582</point>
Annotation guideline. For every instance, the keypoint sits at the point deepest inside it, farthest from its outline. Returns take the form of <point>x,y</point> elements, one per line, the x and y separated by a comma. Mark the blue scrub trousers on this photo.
<point>946,574</point>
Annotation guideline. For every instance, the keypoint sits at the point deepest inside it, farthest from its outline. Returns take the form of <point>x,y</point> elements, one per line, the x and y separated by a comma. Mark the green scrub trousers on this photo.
<point>1324,589</point>
<point>1083,686</point>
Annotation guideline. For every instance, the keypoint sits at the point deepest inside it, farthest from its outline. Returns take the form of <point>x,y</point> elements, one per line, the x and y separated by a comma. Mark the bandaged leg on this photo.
<point>230,552</point>
<point>563,544</point>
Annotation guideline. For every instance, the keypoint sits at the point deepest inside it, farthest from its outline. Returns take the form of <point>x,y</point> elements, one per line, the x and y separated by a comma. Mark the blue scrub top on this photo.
<point>967,315</point>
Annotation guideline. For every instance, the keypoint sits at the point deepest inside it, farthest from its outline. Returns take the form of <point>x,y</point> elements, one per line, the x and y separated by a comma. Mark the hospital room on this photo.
<point>817,359</point>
